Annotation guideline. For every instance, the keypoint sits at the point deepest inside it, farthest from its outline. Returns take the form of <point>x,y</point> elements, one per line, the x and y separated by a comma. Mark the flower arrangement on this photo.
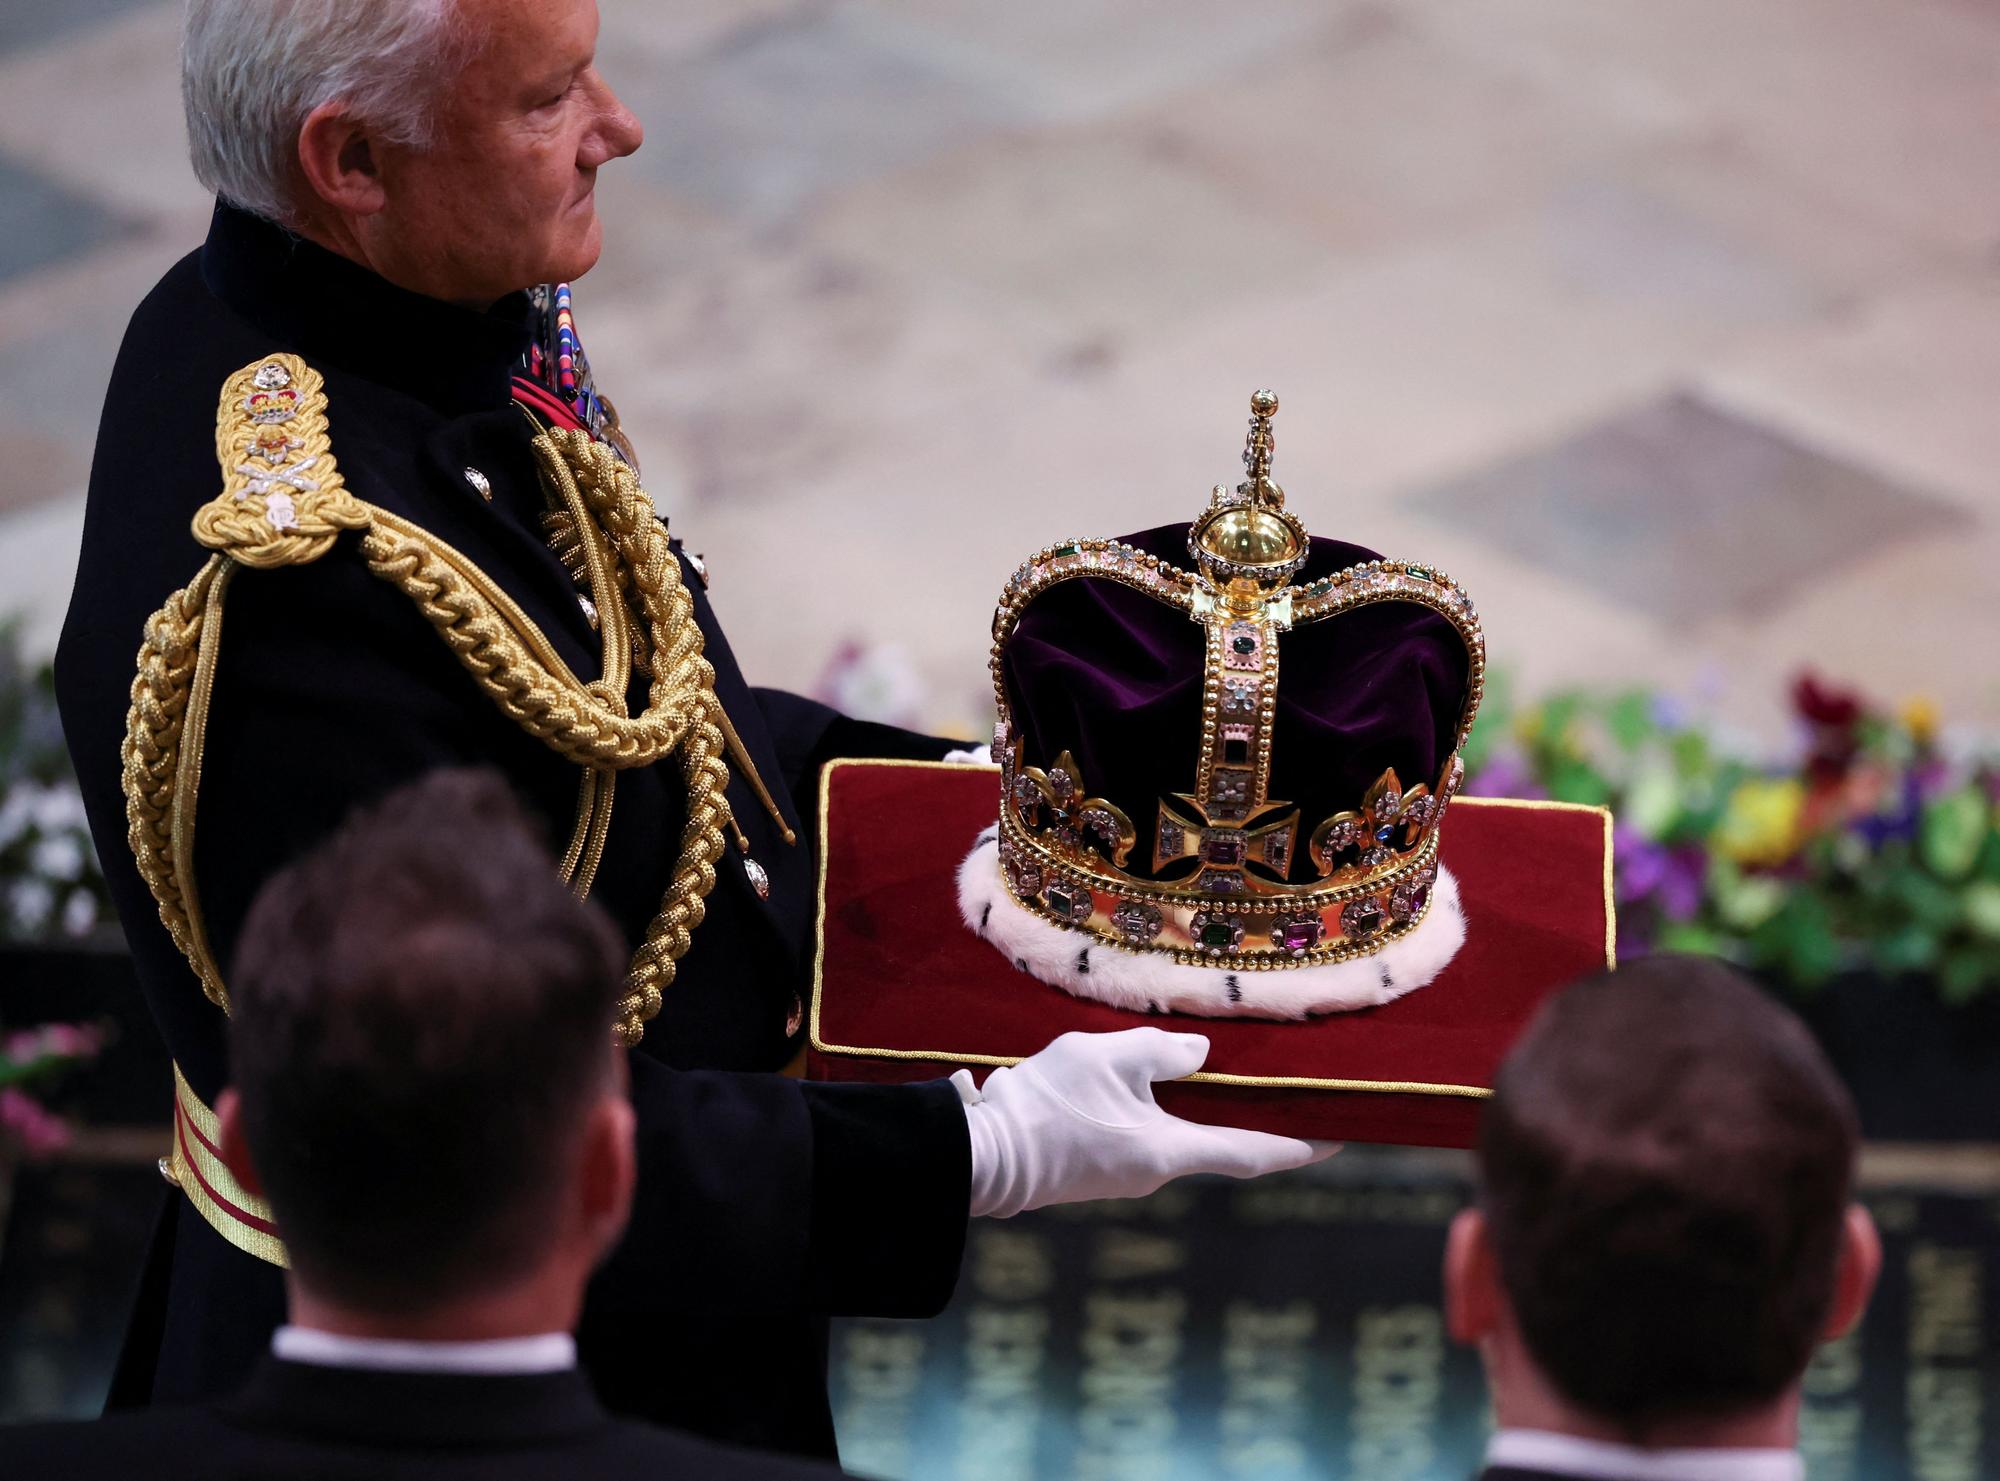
<point>50,882</point>
<point>32,1057</point>
<point>1876,847</point>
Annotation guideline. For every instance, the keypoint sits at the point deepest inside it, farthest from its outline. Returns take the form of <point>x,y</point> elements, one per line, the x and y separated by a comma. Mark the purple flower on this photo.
<point>26,1122</point>
<point>1505,775</point>
<point>1899,822</point>
<point>1682,883</point>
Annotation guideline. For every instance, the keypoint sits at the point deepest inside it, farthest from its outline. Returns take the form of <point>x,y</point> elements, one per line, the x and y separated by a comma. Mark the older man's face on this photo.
<point>506,196</point>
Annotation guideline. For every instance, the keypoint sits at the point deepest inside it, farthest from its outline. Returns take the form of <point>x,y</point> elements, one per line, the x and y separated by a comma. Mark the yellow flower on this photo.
<point>1761,823</point>
<point>1920,717</point>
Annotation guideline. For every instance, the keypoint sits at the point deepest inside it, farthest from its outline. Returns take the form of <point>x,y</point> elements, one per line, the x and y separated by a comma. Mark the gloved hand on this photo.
<point>1077,1121</point>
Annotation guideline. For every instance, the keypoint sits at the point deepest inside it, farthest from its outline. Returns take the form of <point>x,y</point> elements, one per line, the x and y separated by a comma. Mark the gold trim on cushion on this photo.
<point>1211,1077</point>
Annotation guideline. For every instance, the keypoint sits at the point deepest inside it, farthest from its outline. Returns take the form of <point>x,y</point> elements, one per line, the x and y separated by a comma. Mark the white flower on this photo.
<point>58,856</point>
<point>880,683</point>
<point>57,809</point>
<point>16,812</point>
<point>79,913</point>
<point>32,901</point>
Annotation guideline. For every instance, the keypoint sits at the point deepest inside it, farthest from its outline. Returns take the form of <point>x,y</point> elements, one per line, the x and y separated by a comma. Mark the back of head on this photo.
<point>1666,1166</point>
<point>421,1012</point>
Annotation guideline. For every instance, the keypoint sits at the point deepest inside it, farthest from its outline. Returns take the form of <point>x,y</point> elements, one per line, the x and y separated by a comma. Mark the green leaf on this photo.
<point>1690,751</point>
<point>1911,949</point>
<point>1935,907</point>
<point>1953,830</point>
<point>1806,944</point>
<point>1629,719</point>
<point>1576,781</point>
<point>1693,938</point>
<point>1966,975</point>
<point>1746,901</point>
<point>1982,908</point>
<point>1652,804</point>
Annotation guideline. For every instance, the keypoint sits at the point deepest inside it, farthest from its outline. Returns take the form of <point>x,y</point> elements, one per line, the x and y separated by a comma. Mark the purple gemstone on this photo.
<point>1173,840</point>
<point>1298,935</point>
<point>1219,882</point>
<point>1408,902</point>
<point>1222,848</point>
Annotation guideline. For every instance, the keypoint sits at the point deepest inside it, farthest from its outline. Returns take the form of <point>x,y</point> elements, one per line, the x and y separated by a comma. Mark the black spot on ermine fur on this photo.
<point>1083,962</point>
<point>1235,992</point>
<point>986,915</point>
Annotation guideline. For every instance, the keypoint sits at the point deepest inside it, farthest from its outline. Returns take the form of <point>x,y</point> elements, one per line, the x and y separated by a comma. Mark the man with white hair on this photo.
<point>435,552</point>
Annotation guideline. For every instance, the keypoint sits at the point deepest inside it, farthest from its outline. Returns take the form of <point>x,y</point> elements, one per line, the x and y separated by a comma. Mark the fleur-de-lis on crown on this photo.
<point>1076,822</point>
<point>1390,821</point>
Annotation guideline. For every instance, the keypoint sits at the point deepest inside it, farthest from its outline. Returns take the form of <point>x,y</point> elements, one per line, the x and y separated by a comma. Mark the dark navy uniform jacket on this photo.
<point>347,1424</point>
<point>764,1204</point>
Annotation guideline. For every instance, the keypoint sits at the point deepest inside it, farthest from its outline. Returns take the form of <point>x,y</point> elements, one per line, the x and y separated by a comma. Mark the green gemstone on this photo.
<point>1063,550</point>
<point>1422,573</point>
<point>1217,933</point>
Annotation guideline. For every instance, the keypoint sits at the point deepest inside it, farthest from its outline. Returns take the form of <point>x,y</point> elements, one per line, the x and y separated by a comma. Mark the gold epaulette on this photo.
<point>282,501</point>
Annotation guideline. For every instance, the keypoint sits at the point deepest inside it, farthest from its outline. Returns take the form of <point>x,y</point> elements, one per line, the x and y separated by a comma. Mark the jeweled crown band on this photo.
<point>1241,934</point>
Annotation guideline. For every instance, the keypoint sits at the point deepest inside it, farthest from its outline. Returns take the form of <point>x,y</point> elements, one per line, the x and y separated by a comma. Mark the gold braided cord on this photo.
<point>509,658</point>
<point>626,555</point>
<point>156,810</point>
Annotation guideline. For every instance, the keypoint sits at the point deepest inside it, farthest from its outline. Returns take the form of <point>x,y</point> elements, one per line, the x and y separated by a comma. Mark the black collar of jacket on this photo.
<point>334,311</point>
<point>362,1406</point>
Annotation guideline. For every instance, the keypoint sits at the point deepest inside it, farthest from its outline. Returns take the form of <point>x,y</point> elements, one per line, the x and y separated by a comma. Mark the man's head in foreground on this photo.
<point>1665,1229</point>
<point>424,1081</point>
<point>450,146</point>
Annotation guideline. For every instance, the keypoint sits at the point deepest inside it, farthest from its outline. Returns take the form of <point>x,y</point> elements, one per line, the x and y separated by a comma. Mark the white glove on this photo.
<point>1077,1121</point>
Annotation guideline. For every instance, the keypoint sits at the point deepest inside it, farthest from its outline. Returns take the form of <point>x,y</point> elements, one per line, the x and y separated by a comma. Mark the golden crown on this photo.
<point>1226,874</point>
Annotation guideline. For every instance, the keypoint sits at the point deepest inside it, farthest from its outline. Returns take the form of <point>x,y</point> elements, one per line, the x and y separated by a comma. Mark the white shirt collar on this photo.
<point>550,1352</point>
<point>1571,1455</point>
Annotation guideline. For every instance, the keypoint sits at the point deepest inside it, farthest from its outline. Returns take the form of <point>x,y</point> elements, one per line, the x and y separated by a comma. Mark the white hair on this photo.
<point>253,70</point>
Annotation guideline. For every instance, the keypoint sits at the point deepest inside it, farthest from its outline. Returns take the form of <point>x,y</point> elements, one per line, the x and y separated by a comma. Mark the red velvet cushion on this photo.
<point>905,992</point>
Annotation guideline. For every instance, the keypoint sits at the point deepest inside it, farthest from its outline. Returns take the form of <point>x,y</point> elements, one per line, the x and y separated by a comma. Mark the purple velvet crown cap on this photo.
<point>1114,676</point>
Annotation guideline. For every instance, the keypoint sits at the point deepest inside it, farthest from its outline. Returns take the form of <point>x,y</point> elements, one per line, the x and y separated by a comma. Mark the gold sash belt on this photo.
<point>195,1166</point>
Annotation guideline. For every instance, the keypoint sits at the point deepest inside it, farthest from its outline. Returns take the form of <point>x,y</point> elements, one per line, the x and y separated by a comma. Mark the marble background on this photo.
<point>1672,330</point>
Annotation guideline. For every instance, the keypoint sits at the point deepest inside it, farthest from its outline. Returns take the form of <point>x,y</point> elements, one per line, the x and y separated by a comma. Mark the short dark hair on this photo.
<point>420,1011</point>
<point>1666,1165</point>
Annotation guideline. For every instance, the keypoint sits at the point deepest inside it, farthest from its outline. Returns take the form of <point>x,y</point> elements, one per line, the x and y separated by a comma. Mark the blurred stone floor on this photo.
<point>1672,330</point>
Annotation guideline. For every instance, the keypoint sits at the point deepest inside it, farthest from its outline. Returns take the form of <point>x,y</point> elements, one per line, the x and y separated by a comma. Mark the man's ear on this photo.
<point>1854,1276</point>
<point>1472,1294</point>
<point>338,159</point>
<point>608,1169</point>
<point>235,1149</point>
